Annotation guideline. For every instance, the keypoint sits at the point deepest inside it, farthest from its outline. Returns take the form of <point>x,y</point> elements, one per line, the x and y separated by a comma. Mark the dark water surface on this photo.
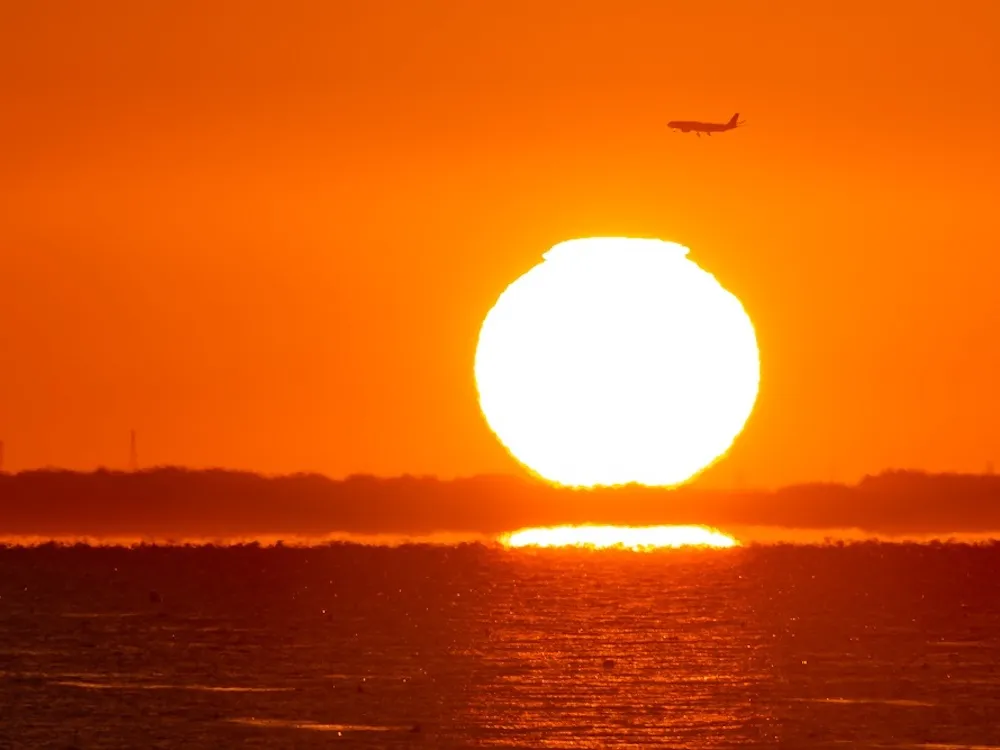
<point>350,646</point>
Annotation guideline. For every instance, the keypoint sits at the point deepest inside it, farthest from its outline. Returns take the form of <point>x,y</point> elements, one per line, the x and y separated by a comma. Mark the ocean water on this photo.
<point>870,645</point>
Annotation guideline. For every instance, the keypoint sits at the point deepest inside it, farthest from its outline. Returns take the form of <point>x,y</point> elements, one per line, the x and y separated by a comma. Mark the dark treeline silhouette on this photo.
<point>181,503</point>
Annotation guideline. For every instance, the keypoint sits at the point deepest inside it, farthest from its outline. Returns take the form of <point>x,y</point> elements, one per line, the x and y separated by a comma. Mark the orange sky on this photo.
<point>265,234</point>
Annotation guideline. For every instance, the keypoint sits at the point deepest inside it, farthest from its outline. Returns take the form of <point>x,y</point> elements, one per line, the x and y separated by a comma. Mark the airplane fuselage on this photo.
<point>693,126</point>
<point>699,127</point>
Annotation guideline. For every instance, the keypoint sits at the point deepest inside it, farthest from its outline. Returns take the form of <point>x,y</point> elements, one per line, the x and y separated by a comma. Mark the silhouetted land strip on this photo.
<point>167,502</point>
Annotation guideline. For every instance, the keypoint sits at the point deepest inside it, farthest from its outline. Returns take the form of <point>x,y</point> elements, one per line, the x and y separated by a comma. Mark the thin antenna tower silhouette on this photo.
<point>133,459</point>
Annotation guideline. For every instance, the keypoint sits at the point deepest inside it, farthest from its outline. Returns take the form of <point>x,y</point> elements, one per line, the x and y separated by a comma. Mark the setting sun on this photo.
<point>617,361</point>
<point>637,538</point>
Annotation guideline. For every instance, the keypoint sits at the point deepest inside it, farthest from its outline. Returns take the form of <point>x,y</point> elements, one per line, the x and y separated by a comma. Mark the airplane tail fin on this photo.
<point>733,121</point>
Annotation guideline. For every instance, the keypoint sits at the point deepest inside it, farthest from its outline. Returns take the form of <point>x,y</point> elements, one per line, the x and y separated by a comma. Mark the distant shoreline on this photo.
<point>177,503</point>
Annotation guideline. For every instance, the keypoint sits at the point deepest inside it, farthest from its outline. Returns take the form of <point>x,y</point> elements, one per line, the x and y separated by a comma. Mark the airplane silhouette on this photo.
<point>685,126</point>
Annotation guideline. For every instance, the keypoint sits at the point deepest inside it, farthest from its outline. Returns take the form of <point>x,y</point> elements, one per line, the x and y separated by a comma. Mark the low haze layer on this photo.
<point>171,503</point>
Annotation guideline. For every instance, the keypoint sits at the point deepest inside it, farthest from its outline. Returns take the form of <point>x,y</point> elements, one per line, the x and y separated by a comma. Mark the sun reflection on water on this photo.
<point>635,538</point>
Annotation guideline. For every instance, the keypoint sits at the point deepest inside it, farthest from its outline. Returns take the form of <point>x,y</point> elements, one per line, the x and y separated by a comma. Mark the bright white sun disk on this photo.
<point>617,360</point>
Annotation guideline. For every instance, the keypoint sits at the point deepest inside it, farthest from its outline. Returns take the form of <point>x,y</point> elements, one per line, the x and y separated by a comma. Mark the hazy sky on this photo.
<point>265,234</point>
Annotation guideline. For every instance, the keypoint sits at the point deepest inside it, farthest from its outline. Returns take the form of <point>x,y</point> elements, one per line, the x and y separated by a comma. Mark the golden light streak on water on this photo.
<point>635,538</point>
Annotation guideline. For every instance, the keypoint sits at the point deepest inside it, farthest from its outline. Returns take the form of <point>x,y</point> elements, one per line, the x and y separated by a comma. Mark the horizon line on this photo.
<point>525,478</point>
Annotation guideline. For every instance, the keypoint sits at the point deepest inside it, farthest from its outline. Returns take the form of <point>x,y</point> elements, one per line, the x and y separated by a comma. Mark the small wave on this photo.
<point>316,726</point>
<point>89,685</point>
<point>885,701</point>
<point>95,615</point>
<point>30,652</point>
